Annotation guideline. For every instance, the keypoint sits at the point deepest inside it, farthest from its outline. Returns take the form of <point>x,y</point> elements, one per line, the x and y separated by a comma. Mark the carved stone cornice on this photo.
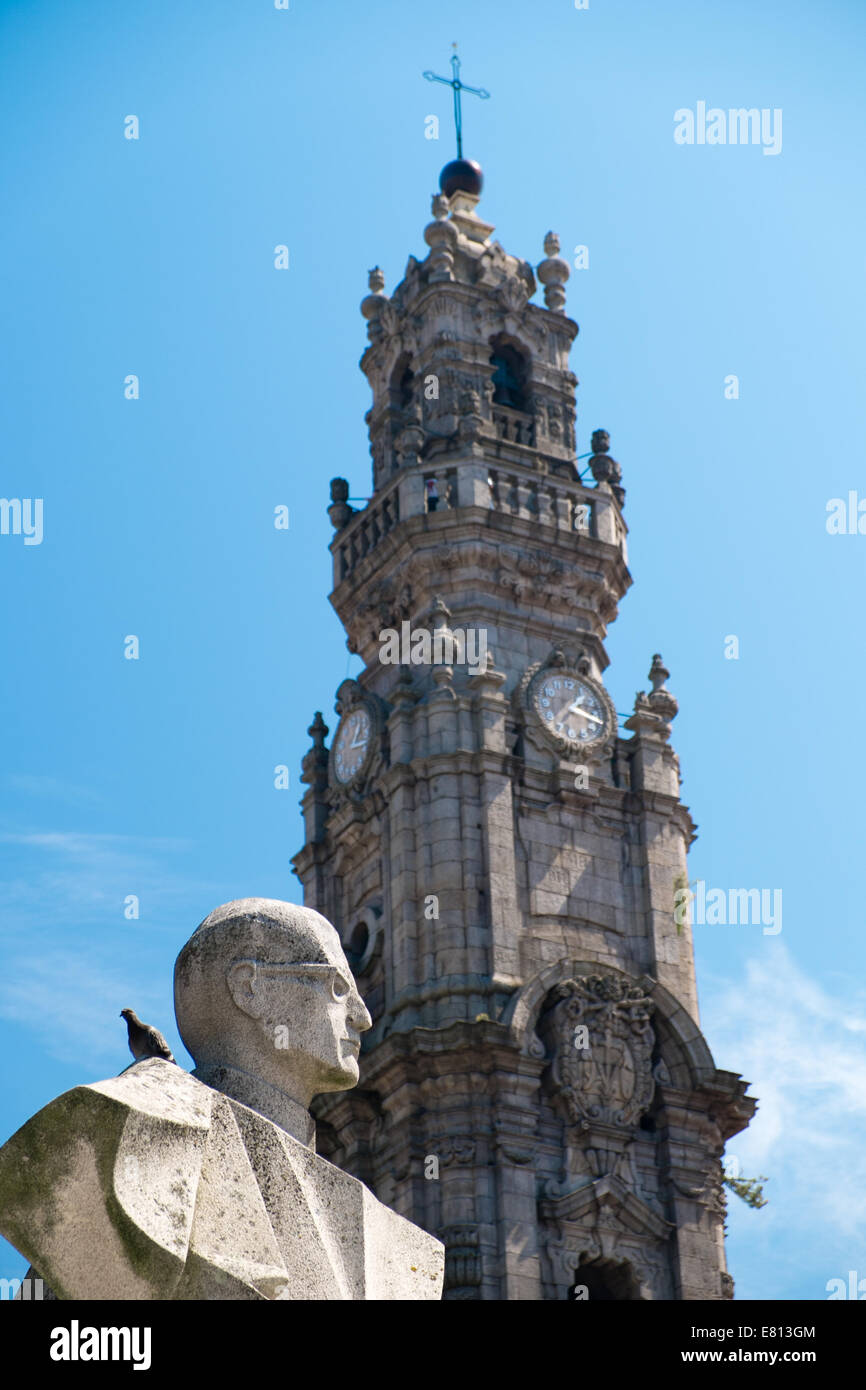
<point>606,1196</point>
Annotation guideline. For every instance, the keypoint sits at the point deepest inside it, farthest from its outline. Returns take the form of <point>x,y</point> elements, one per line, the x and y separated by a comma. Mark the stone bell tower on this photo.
<point>501,861</point>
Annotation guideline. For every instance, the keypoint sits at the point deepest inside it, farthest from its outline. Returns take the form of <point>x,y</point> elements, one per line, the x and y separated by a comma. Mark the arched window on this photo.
<point>406,389</point>
<point>509,376</point>
<point>402,385</point>
<point>357,944</point>
<point>605,1281</point>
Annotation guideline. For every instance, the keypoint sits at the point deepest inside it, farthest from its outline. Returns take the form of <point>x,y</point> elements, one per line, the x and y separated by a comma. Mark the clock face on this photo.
<point>570,709</point>
<point>351,743</point>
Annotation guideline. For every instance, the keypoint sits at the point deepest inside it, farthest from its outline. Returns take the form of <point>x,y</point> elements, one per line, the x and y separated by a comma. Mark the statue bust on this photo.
<point>165,1184</point>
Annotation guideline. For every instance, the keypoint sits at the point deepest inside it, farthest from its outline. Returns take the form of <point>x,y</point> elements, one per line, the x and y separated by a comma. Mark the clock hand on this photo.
<point>575,709</point>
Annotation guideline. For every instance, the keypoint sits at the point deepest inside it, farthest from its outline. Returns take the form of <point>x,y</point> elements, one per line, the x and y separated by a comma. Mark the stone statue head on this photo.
<point>263,987</point>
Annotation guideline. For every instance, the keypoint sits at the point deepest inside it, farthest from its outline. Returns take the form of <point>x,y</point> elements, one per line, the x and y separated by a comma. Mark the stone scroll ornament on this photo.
<point>161,1184</point>
<point>608,1080</point>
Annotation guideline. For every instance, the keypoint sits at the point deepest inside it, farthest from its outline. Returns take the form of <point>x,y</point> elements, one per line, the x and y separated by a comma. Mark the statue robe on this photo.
<point>152,1185</point>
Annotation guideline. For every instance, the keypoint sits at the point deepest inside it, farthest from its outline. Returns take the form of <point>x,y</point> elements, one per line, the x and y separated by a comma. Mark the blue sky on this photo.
<point>306,127</point>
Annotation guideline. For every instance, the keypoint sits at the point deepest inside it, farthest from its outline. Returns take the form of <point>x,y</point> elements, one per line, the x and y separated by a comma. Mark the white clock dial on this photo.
<point>570,709</point>
<point>351,744</point>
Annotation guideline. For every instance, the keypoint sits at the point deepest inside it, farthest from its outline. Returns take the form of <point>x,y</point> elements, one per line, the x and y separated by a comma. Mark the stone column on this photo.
<point>497,821</point>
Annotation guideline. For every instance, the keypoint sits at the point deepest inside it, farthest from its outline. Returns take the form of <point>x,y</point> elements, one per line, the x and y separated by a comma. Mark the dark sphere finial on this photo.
<point>461,175</point>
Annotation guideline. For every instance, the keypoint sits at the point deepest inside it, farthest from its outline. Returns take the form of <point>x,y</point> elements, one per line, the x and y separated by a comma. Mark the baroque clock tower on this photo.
<point>501,861</point>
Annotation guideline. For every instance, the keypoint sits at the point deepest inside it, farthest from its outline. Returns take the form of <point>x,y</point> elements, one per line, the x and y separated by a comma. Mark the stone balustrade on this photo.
<point>363,532</point>
<point>540,498</point>
<point>513,426</point>
<point>517,492</point>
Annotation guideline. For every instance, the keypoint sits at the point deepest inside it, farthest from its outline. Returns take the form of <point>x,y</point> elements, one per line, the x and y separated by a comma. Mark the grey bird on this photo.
<point>145,1041</point>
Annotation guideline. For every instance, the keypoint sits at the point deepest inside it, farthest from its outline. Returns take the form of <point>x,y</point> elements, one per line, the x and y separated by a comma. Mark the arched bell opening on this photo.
<point>401,386</point>
<point>510,377</point>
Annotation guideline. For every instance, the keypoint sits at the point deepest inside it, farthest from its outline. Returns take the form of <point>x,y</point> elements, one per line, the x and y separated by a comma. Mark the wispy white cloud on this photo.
<point>801,1047</point>
<point>57,878</point>
<point>70,958</point>
<point>88,847</point>
<point>71,1001</point>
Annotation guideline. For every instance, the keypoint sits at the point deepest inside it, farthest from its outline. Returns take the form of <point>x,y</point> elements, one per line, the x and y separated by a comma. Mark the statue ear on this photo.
<point>241,981</point>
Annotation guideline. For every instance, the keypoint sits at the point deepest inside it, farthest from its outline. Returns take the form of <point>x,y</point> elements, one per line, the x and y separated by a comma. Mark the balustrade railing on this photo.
<point>542,499</point>
<point>513,426</point>
<point>363,532</point>
<point>533,496</point>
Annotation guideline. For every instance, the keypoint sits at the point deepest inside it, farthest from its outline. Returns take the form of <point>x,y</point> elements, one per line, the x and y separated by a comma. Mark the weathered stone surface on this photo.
<point>157,1184</point>
<point>491,867</point>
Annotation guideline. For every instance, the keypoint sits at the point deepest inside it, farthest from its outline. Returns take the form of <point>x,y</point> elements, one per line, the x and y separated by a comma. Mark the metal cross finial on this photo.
<point>457,86</point>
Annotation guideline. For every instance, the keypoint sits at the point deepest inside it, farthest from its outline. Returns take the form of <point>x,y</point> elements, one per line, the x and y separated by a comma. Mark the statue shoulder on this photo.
<point>103,1159</point>
<point>161,1090</point>
<point>156,1089</point>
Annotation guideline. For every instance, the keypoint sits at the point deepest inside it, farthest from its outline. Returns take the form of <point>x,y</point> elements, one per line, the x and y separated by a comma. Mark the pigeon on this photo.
<point>145,1041</point>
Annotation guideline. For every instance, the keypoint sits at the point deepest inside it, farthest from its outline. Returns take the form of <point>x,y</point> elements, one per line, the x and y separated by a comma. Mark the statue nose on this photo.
<point>359,1014</point>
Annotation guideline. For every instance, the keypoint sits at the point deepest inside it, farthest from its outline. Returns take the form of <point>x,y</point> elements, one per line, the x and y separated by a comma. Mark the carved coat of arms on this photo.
<point>603,1043</point>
